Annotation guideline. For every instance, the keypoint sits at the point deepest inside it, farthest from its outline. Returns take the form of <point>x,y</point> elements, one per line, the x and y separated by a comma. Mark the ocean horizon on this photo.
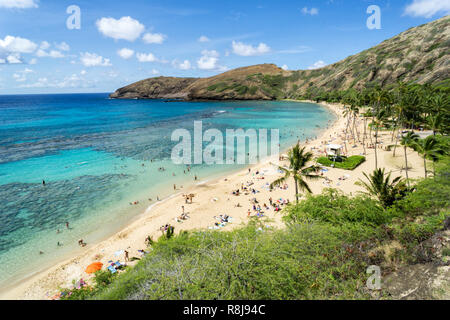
<point>97,155</point>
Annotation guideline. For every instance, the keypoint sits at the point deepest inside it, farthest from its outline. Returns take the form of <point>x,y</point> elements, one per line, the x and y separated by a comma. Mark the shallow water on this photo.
<point>90,151</point>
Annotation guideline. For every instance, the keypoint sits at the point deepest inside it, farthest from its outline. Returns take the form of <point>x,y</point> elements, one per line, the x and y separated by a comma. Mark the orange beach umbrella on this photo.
<point>93,267</point>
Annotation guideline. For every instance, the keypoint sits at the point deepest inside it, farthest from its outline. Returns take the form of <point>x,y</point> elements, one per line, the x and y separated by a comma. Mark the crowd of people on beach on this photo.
<point>251,188</point>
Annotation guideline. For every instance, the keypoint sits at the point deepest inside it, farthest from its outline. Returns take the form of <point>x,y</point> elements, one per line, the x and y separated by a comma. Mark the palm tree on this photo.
<point>385,190</point>
<point>399,115</point>
<point>435,122</point>
<point>298,160</point>
<point>355,111</point>
<point>408,140</point>
<point>346,113</point>
<point>380,98</point>
<point>429,148</point>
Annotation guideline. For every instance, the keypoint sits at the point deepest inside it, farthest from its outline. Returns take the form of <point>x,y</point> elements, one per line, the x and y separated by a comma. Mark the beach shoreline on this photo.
<point>31,287</point>
<point>212,198</point>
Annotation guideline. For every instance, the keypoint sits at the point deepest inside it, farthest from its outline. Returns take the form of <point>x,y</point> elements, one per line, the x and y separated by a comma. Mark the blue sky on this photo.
<point>120,42</point>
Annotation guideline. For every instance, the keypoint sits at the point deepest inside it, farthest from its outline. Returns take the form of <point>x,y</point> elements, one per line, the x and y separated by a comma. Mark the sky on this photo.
<point>59,46</point>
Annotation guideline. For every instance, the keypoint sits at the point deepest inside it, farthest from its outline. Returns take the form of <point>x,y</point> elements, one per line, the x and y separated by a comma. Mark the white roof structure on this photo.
<point>334,149</point>
<point>334,146</point>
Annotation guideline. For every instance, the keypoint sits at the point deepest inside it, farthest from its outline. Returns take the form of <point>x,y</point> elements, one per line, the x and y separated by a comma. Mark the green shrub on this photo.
<point>349,163</point>
<point>308,261</point>
<point>334,207</point>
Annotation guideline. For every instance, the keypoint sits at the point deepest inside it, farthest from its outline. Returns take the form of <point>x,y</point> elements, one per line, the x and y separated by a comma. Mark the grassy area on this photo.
<point>349,163</point>
<point>323,253</point>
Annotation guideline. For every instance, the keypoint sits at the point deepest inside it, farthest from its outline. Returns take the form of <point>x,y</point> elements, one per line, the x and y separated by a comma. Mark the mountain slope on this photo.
<point>420,54</point>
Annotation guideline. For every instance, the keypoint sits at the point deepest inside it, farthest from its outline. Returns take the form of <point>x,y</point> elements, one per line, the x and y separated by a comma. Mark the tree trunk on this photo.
<point>364,136</point>
<point>396,142</point>
<point>370,131</point>
<point>376,145</point>
<point>357,133</point>
<point>406,168</point>
<point>425,165</point>
<point>296,190</point>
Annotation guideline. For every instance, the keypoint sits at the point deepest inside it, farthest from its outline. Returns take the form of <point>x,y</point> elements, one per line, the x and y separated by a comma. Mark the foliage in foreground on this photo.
<point>323,253</point>
<point>304,261</point>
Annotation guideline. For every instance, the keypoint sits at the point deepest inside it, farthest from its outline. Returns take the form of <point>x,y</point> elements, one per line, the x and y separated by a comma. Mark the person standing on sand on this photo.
<point>174,187</point>
<point>126,256</point>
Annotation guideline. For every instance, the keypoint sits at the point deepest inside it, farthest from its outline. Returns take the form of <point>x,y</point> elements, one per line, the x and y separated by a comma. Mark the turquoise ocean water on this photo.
<point>90,150</point>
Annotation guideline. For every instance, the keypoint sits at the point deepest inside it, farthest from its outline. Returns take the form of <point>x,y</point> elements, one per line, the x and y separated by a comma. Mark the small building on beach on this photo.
<point>334,150</point>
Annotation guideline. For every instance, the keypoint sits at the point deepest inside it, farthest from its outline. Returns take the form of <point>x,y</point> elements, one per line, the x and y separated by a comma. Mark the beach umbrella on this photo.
<point>94,267</point>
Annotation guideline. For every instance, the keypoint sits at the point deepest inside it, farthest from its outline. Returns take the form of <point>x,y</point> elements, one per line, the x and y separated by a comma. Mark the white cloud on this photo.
<point>284,67</point>
<point>295,50</point>
<point>125,28</point>
<point>62,46</point>
<point>185,65</point>
<point>41,83</point>
<point>52,54</point>
<point>55,54</point>
<point>112,74</point>
<point>146,57</point>
<point>317,65</point>
<point>93,60</point>
<point>21,76</point>
<point>44,45</point>
<point>209,61</point>
<point>14,58</point>
<point>154,71</point>
<point>427,8</point>
<point>312,11</point>
<point>154,38</point>
<point>246,50</point>
<point>83,72</point>
<point>204,39</point>
<point>21,4</point>
<point>17,44</point>
<point>33,61</point>
<point>42,51</point>
<point>125,53</point>
<point>72,81</point>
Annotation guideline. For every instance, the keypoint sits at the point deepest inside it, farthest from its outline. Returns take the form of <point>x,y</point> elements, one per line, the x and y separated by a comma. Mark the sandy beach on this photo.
<point>214,198</point>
